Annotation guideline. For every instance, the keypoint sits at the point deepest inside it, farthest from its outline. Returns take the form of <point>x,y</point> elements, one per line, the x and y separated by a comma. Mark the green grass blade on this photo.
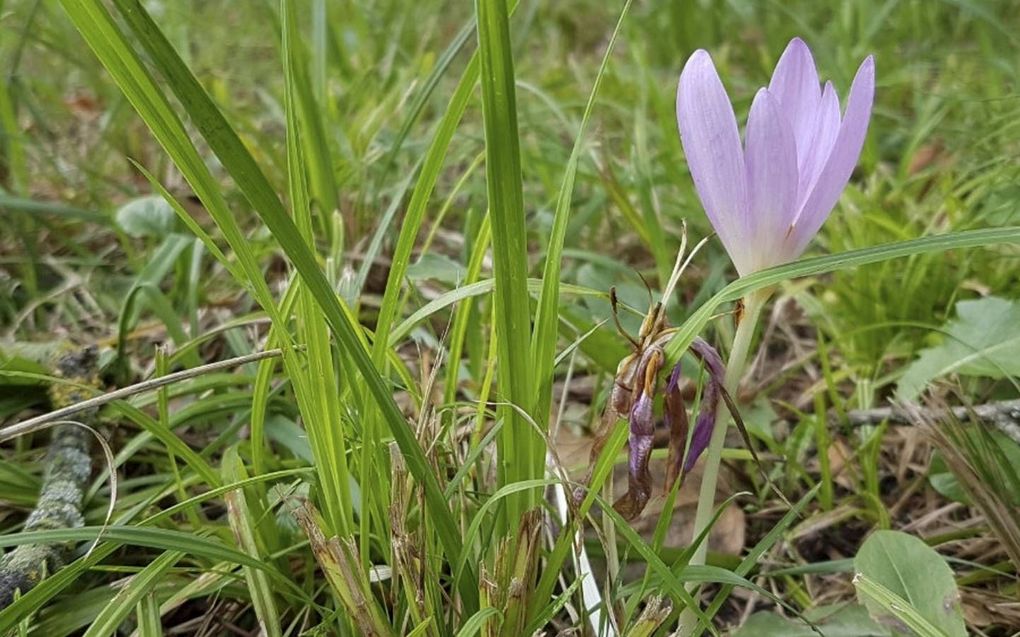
<point>317,393</point>
<point>140,585</point>
<point>896,606</point>
<point>982,238</point>
<point>164,539</point>
<point>521,452</point>
<point>422,97</point>
<point>150,622</point>
<point>244,527</point>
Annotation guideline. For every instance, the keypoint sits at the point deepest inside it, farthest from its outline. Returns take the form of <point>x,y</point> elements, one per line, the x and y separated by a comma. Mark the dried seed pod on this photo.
<point>642,430</point>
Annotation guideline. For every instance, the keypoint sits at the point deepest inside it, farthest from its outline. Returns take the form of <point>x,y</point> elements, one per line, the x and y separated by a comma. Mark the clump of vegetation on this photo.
<point>356,281</point>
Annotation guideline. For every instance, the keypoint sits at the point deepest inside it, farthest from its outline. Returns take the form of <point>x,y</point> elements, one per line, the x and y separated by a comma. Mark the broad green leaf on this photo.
<point>945,482</point>
<point>984,340</point>
<point>915,572</point>
<point>840,621</point>
<point>437,267</point>
<point>149,216</point>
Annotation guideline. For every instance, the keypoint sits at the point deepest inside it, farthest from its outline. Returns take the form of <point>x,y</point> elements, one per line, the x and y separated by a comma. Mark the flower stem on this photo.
<point>753,304</point>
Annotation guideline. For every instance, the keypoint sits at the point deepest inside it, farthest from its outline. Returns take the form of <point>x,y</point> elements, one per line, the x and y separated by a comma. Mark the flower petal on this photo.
<point>711,142</point>
<point>771,163</point>
<point>841,161</point>
<point>795,84</point>
<point>822,138</point>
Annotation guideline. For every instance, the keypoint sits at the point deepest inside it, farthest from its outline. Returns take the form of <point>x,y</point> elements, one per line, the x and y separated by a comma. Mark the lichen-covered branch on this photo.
<point>1003,415</point>
<point>68,466</point>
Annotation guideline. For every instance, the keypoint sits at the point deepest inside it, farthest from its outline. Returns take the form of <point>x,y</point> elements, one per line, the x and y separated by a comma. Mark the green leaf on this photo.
<point>547,317</point>
<point>839,621</point>
<point>913,571</point>
<point>521,449</point>
<point>33,207</point>
<point>984,340</point>
<point>945,481</point>
<point>16,369</point>
<point>148,216</point>
<point>164,539</point>
<point>437,267</point>
<point>140,585</point>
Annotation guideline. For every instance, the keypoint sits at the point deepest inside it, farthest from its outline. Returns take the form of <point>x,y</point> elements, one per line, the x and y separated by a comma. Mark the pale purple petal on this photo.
<point>711,142</point>
<point>822,138</point>
<point>771,163</point>
<point>841,161</point>
<point>795,84</point>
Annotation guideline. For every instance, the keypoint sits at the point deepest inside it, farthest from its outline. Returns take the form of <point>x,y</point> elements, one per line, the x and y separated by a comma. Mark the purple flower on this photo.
<point>767,197</point>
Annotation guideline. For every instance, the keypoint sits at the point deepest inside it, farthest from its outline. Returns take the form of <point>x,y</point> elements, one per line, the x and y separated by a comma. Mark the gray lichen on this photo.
<point>68,466</point>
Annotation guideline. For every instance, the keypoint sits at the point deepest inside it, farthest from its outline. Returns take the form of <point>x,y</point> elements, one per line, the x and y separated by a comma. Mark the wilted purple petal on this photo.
<point>795,84</point>
<point>678,424</point>
<point>674,379</point>
<point>711,142</point>
<point>642,430</point>
<point>845,152</point>
<point>705,423</point>
<point>642,420</point>
<point>771,162</point>
<point>710,357</point>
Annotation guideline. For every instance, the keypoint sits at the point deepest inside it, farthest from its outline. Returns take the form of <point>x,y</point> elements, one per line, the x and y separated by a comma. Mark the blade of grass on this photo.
<point>321,407</point>
<point>520,448</point>
<point>137,588</point>
<point>423,188</point>
<point>164,539</point>
<point>896,606</point>
<point>982,238</point>
<point>34,599</point>
<point>244,527</point>
<point>149,622</point>
<point>755,554</point>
